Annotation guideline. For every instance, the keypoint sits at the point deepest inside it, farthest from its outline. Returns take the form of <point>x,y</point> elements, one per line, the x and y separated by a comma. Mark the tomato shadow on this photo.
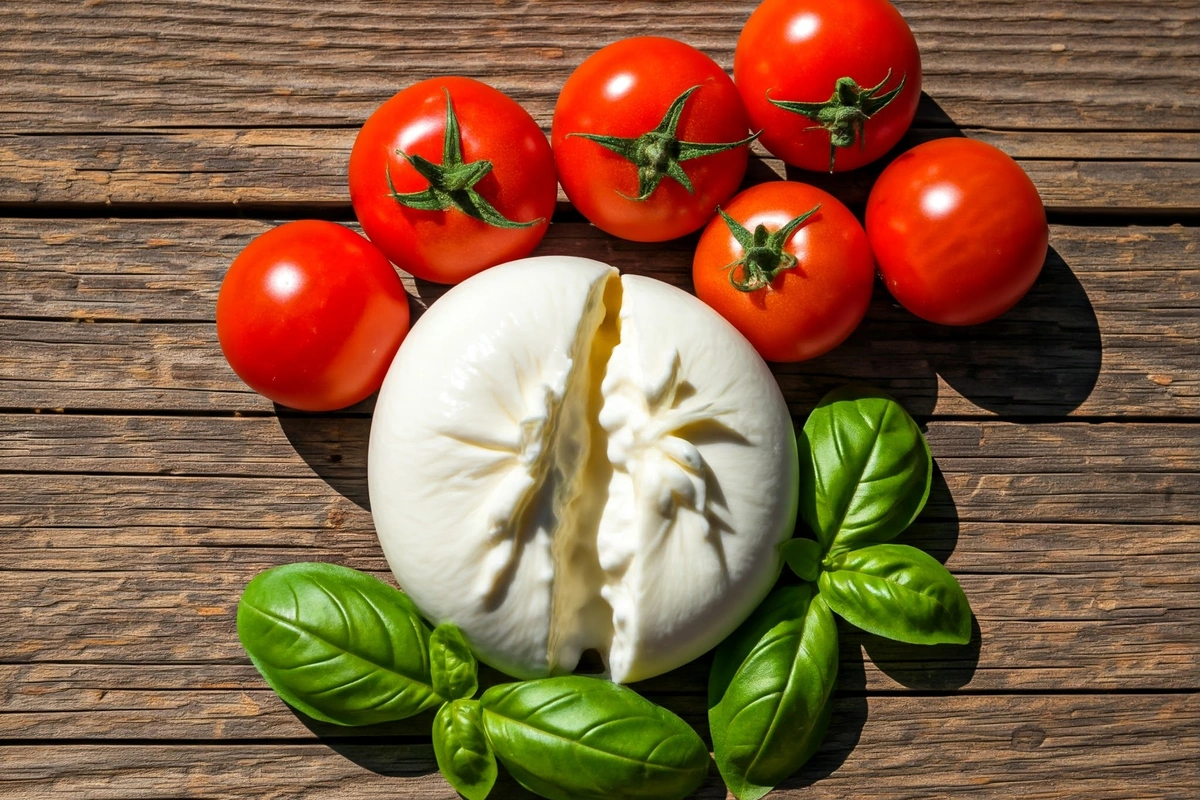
<point>1041,358</point>
<point>334,447</point>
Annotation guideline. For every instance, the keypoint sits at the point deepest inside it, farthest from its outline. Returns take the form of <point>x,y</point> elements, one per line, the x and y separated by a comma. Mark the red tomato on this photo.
<point>835,66</point>
<point>310,315</point>
<point>958,229</point>
<point>636,153</point>
<point>795,286</point>
<point>450,177</point>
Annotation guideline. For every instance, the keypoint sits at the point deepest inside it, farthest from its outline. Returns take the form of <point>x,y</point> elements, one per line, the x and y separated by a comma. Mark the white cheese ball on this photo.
<point>564,459</point>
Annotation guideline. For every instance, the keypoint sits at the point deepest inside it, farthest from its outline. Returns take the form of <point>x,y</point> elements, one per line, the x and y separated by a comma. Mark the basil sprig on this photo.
<point>344,647</point>
<point>580,738</point>
<point>865,476</point>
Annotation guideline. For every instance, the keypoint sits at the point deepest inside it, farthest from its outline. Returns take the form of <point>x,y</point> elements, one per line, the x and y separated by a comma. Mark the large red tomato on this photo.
<point>450,177</point>
<point>789,266</point>
<point>310,315</point>
<point>958,229</point>
<point>832,84</point>
<point>649,136</point>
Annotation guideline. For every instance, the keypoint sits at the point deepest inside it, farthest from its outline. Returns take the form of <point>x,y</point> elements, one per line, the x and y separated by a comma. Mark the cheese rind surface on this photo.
<point>562,460</point>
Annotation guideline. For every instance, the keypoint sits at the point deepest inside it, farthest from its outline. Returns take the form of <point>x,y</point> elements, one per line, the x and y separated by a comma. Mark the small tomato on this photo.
<point>789,266</point>
<point>832,84</point>
<point>958,229</point>
<point>649,136</point>
<point>450,177</point>
<point>310,315</point>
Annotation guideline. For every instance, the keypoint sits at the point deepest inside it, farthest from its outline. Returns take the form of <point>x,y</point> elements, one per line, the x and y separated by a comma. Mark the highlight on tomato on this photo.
<point>649,136</point>
<point>310,315</point>
<point>958,229</point>
<point>832,84</point>
<point>789,266</point>
<point>450,177</point>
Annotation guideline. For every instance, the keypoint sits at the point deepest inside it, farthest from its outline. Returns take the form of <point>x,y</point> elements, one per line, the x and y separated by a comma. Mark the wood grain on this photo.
<point>150,528</point>
<point>878,747</point>
<point>119,65</point>
<point>1110,328</point>
<point>127,531</point>
<point>305,169</point>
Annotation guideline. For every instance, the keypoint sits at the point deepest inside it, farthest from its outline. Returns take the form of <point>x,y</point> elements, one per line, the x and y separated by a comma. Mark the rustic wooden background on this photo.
<point>142,144</point>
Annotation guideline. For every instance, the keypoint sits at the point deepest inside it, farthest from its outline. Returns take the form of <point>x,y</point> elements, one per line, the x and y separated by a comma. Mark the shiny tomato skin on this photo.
<point>450,246</point>
<point>808,309</point>
<point>795,50</point>
<point>624,90</point>
<point>310,315</point>
<point>958,229</point>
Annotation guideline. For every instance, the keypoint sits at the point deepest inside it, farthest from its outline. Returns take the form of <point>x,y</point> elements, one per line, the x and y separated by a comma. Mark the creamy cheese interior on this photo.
<point>564,459</point>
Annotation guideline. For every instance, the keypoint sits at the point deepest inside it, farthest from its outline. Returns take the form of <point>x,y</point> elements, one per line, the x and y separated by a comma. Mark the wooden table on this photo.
<point>142,144</point>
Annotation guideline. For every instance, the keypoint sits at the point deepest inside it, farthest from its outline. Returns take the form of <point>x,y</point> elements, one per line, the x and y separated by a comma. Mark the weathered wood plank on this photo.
<point>1045,524</point>
<point>1111,327</point>
<point>994,471</point>
<point>306,168</point>
<point>299,446</point>
<point>119,65</point>
<point>879,747</point>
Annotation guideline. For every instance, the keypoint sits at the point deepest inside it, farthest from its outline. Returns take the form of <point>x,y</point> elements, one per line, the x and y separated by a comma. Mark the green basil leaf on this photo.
<point>579,738</point>
<point>452,664</point>
<point>803,556</point>
<point>462,750</point>
<point>865,469</point>
<point>770,716</point>
<point>900,592</point>
<point>337,644</point>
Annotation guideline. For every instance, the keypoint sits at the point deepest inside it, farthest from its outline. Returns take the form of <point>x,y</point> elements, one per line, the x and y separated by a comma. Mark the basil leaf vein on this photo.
<point>579,738</point>
<point>866,470</point>
<point>337,644</point>
<point>899,592</point>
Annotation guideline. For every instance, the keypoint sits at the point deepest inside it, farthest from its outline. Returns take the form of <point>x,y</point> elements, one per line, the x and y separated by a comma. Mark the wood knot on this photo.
<point>1028,737</point>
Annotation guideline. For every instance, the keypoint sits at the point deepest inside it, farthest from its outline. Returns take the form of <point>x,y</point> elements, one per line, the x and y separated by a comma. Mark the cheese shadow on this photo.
<point>334,447</point>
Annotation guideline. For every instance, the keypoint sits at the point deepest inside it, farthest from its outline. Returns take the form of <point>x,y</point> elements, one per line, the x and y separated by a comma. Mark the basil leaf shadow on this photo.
<point>1041,358</point>
<point>334,445</point>
<point>941,667</point>
<point>401,749</point>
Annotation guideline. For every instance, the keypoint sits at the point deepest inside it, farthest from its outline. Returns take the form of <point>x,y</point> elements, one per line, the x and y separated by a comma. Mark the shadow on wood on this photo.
<point>334,447</point>
<point>942,667</point>
<point>1044,354</point>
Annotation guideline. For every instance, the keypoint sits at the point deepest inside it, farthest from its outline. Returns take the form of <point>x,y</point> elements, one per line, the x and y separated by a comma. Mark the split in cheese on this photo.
<point>563,459</point>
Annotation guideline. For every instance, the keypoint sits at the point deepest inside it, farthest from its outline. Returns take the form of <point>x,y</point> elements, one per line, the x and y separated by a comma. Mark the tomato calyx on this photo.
<point>763,256</point>
<point>659,153</point>
<point>845,114</point>
<point>451,183</point>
